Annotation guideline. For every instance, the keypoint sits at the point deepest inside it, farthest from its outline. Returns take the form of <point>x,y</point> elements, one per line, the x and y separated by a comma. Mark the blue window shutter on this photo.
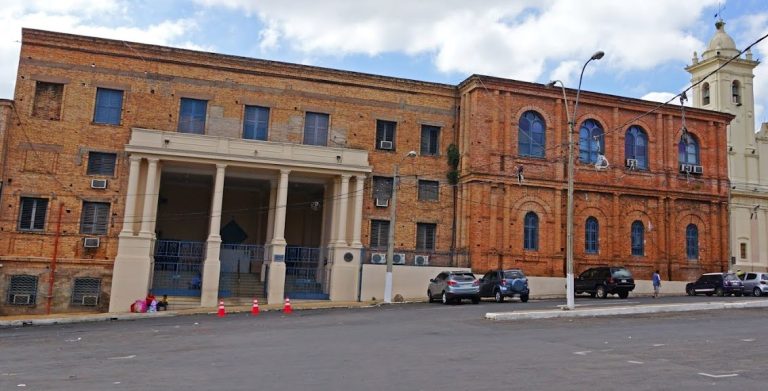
<point>256,123</point>
<point>192,115</point>
<point>109,105</point>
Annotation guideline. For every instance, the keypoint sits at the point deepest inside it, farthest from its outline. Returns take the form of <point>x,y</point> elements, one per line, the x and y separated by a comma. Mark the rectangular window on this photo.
<point>32,214</point>
<point>101,163</point>
<point>22,290</point>
<point>430,140</point>
<point>743,250</point>
<point>379,233</point>
<point>382,187</point>
<point>192,115</point>
<point>316,129</point>
<point>255,123</point>
<point>109,105</point>
<point>47,104</point>
<point>429,190</point>
<point>385,135</point>
<point>425,236</point>
<point>85,291</point>
<point>95,218</point>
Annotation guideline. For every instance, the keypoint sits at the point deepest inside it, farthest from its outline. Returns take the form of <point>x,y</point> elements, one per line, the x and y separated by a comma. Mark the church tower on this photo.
<point>730,90</point>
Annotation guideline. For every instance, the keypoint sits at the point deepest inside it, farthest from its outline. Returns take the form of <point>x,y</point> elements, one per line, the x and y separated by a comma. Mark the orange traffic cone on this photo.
<point>255,308</point>
<point>222,311</point>
<point>287,307</point>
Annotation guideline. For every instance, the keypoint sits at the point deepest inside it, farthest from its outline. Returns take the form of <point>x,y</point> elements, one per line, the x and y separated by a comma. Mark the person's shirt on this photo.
<point>656,278</point>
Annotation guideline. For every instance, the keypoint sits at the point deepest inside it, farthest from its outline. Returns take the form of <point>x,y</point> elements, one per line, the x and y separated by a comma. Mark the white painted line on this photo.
<point>635,362</point>
<point>749,340</point>
<point>123,357</point>
<point>719,376</point>
<point>656,345</point>
<point>584,353</point>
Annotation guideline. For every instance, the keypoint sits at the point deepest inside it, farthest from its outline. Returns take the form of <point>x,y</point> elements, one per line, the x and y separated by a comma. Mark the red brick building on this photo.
<point>130,167</point>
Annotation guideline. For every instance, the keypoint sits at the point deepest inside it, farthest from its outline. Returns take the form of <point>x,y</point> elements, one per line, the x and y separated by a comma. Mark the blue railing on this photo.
<point>178,267</point>
<point>241,270</point>
<point>301,277</point>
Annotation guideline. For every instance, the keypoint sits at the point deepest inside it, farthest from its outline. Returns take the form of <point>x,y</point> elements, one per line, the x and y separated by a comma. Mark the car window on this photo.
<point>731,277</point>
<point>441,276</point>
<point>463,277</point>
<point>621,273</point>
<point>512,274</point>
<point>703,279</point>
<point>586,274</point>
<point>764,277</point>
<point>750,276</point>
<point>488,276</point>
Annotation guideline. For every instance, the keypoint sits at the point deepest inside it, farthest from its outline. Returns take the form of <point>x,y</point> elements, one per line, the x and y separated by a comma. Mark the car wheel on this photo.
<point>600,292</point>
<point>445,299</point>
<point>623,294</point>
<point>719,292</point>
<point>757,292</point>
<point>498,296</point>
<point>476,300</point>
<point>690,292</point>
<point>524,298</point>
<point>430,297</point>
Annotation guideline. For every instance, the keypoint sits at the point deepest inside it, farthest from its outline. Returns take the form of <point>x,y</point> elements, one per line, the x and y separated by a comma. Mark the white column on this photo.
<point>341,217</point>
<point>278,232</point>
<point>150,198</point>
<point>333,204</point>
<point>276,282</point>
<point>212,264</point>
<point>358,211</point>
<point>271,211</point>
<point>130,198</point>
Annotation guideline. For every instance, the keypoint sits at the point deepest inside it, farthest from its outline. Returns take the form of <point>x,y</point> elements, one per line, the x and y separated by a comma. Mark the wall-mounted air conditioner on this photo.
<point>384,144</point>
<point>382,202</point>
<point>398,259</point>
<point>98,183</point>
<point>22,299</point>
<point>421,260</point>
<point>91,242</point>
<point>379,258</point>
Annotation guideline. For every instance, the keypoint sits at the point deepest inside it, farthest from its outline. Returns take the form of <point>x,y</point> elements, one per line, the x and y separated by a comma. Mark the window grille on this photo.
<point>429,190</point>
<point>382,187</point>
<point>425,236</point>
<point>379,233</point>
<point>85,291</point>
<point>95,218</point>
<point>22,290</point>
<point>32,214</point>
<point>101,163</point>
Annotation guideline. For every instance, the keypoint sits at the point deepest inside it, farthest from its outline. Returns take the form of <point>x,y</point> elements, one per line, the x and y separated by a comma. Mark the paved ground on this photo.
<point>401,347</point>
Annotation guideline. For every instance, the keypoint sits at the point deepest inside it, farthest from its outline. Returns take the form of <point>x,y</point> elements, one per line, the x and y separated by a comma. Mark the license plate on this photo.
<point>623,280</point>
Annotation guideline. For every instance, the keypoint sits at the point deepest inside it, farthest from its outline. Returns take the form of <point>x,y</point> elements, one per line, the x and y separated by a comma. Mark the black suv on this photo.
<point>720,284</point>
<point>605,280</point>
<point>504,283</point>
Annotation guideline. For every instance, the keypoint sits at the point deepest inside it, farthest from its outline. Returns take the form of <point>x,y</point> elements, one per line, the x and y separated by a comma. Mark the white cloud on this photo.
<point>511,39</point>
<point>77,17</point>
<point>661,97</point>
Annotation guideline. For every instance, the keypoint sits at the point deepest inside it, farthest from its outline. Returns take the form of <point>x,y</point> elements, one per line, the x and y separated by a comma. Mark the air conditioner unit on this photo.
<point>631,163</point>
<point>91,242</point>
<point>421,260</point>
<point>698,169</point>
<point>384,144</point>
<point>398,259</point>
<point>379,258</point>
<point>90,300</point>
<point>686,168</point>
<point>22,299</point>
<point>98,183</point>
<point>382,202</point>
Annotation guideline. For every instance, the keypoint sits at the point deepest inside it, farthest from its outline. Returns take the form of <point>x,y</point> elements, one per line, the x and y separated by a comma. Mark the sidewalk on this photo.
<point>39,320</point>
<point>624,310</point>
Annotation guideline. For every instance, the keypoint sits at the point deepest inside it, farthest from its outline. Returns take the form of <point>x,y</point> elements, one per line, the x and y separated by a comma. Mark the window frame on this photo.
<point>255,126</point>
<point>11,292</point>
<point>95,227</point>
<point>112,106</point>
<point>591,235</point>
<point>588,131</point>
<point>95,165</point>
<point>637,239</point>
<point>736,92</point>
<point>189,122</point>
<point>378,184</point>
<point>424,233</point>
<point>692,242</point>
<point>430,147</point>
<point>32,225</point>
<point>37,106</point>
<point>531,231</point>
<point>313,127</point>
<point>525,148</point>
<point>382,241</point>
<point>634,133</point>
<point>705,94</point>
<point>78,291</point>
<point>385,128</point>
<point>423,190</point>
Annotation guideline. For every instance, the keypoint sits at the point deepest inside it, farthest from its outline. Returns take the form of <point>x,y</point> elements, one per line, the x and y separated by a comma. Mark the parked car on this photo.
<point>504,283</point>
<point>719,284</point>
<point>757,283</point>
<point>605,280</point>
<point>450,286</point>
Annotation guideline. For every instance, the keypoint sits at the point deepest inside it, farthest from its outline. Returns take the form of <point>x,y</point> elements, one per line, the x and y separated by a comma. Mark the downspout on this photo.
<point>52,277</point>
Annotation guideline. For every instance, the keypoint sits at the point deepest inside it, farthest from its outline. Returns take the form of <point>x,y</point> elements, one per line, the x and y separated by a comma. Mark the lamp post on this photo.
<point>391,233</point>
<point>569,294</point>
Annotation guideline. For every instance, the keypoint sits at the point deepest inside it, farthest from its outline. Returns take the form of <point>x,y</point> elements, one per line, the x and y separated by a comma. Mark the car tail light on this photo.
<point>504,282</point>
<point>476,283</point>
<point>452,283</point>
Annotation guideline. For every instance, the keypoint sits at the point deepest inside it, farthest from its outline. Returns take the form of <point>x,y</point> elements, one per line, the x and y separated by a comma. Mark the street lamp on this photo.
<point>391,233</point>
<point>569,294</point>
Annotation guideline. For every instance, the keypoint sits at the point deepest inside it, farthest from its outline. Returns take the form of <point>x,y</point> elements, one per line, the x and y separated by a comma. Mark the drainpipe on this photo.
<point>52,277</point>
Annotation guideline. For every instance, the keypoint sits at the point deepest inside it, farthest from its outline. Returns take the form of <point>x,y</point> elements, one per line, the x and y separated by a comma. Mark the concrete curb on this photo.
<point>634,310</point>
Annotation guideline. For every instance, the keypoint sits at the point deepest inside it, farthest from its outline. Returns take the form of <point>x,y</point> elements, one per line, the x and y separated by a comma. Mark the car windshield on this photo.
<point>512,274</point>
<point>731,277</point>
<point>463,277</point>
<point>621,273</point>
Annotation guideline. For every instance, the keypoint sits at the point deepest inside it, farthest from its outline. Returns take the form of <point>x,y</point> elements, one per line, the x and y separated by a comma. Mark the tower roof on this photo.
<point>721,43</point>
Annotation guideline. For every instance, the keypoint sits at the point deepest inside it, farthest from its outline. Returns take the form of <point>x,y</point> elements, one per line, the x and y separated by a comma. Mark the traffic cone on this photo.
<point>222,311</point>
<point>287,307</point>
<point>255,308</point>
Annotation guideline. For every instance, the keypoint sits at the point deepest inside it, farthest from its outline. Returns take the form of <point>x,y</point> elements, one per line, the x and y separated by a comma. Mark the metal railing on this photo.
<point>301,273</point>
<point>178,267</point>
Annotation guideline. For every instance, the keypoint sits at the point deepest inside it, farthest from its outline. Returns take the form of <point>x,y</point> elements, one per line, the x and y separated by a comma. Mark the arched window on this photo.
<point>590,141</point>
<point>688,150</point>
<point>531,232</point>
<point>705,94</point>
<point>591,236</point>
<point>736,92</point>
<point>692,241</point>
<point>638,238</point>
<point>530,135</point>
<point>636,146</point>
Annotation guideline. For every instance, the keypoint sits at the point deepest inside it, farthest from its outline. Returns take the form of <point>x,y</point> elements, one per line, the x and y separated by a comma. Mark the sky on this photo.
<point>647,43</point>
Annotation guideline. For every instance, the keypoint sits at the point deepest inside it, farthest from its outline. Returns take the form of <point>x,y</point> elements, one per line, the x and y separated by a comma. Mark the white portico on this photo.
<point>205,215</point>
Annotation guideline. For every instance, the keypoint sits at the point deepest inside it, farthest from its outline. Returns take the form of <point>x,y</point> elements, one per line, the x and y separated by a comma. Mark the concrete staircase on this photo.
<point>237,289</point>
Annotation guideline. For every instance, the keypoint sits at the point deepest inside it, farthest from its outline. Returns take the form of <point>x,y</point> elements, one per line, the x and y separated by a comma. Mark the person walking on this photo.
<point>656,283</point>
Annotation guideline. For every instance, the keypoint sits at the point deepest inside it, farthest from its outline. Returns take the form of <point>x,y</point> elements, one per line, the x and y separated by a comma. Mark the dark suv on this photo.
<point>720,284</point>
<point>605,280</point>
<point>504,283</point>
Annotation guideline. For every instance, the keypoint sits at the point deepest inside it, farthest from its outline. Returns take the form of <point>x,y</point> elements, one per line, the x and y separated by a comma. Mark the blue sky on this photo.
<point>647,44</point>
